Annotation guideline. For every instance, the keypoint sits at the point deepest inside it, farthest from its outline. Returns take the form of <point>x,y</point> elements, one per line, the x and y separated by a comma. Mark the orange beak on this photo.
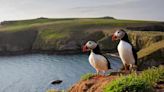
<point>114,37</point>
<point>85,48</point>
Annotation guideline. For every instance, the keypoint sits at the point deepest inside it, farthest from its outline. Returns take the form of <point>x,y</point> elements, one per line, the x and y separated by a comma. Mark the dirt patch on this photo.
<point>95,84</point>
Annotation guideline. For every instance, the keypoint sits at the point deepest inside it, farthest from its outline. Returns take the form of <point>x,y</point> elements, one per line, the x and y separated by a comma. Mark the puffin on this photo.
<point>126,50</point>
<point>98,61</point>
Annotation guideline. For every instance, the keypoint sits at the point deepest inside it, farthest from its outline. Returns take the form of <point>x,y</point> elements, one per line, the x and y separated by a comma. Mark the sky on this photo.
<point>120,9</point>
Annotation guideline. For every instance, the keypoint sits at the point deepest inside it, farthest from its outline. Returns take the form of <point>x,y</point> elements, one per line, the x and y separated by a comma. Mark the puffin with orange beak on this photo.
<point>125,49</point>
<point>96,59</point>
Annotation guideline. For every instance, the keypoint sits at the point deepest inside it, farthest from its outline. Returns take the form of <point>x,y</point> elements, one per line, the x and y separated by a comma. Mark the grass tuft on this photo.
<point>137,83</point>
<point>87,76</point>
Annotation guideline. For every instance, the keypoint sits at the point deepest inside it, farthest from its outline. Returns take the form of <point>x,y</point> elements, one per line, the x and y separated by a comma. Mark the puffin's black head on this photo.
<point>120,34</point>
<point>91,45</point>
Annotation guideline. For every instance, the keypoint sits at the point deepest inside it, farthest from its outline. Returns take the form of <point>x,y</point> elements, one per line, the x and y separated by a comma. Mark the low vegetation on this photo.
<point>143,82</point>
<point>87,76</point>
<point>53,90</point>
<point>77,23</point>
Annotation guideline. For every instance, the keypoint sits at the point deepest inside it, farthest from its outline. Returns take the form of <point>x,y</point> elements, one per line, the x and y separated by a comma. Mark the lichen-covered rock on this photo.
<point>151,56</point>
<point>106,44</point>
<point>144,39</point>
<point>70,41</point>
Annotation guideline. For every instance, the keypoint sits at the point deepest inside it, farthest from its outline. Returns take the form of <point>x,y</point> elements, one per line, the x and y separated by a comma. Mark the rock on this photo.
<point>56,82</point>
<point>106,44</point>
<point>151,56</point>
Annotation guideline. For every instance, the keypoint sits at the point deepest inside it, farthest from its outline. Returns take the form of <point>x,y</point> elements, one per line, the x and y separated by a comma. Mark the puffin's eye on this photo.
<point>89,42</point>
<point>118,32</point>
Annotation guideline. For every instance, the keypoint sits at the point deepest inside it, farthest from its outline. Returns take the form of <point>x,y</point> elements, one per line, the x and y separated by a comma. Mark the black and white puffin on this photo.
<point>96,59</point>
<point>126,51</point>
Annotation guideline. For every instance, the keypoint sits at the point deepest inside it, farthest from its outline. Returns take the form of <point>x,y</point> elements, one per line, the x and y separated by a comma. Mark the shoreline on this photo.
<point>50,52</point>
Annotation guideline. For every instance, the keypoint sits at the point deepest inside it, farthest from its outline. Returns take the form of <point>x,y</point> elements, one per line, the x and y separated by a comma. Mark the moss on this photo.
<point>53,90</point>
<point>87,76</point>
<point>136,83</point>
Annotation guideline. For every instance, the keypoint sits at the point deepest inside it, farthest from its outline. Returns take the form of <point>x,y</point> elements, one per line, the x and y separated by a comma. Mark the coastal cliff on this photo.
<point>65,36</point>
<point>68,35</point>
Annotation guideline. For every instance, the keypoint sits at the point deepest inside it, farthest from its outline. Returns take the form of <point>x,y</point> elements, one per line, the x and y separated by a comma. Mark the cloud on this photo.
<point>129,9</point>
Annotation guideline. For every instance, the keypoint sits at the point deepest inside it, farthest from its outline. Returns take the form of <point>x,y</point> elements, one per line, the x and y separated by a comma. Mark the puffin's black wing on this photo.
<point>125,38</point>
<point>135,55</point>
<point>109,67</point>
<point>97,51</point>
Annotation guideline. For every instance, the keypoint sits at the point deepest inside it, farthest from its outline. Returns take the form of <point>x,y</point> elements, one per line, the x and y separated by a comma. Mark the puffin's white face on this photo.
<point>118,34</point>
<point>90,45</point>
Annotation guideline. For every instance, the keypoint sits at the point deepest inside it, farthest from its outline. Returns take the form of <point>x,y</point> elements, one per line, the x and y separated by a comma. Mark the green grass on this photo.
<point>68,25</point>
<point>53,90</point>
<point>137,83</point>
<point>87,76</point>
<point>34,21</point>
<point>79,23</point>
<point>153,75</point>
<point>50,34</point>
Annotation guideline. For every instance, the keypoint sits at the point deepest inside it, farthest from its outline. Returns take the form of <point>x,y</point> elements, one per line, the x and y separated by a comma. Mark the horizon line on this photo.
<point>81,18</point>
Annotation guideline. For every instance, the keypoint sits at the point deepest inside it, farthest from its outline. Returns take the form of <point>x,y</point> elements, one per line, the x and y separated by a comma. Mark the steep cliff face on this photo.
<point>60,41</point>
<point>30,40</point>
<point>144,39</point>
<point>20,41</point>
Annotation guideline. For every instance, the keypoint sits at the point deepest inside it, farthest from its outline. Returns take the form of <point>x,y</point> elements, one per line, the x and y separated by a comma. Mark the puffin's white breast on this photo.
<point>125,52</point>
<point>99,62</point>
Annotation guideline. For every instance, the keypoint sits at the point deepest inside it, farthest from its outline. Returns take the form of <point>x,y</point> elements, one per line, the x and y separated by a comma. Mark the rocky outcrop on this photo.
<point>151,56</point>
<point>94,84</point>
<point>32,40</point>
<point>106,44</point>
<point>70,42</point>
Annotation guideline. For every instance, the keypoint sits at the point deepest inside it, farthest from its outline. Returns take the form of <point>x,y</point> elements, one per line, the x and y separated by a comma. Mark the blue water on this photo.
<point>33,73</point>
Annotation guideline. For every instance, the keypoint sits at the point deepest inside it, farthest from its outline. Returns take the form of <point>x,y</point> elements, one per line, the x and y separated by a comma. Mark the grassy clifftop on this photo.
<point>58,35</point>
<point>82,23</point>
